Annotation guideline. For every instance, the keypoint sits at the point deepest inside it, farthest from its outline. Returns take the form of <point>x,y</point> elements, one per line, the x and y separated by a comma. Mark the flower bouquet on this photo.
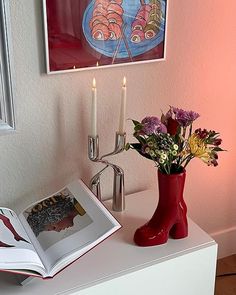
<point>171,144</point>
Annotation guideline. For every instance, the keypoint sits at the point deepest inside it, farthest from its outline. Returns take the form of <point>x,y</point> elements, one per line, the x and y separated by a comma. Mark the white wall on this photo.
<point>49,147</point>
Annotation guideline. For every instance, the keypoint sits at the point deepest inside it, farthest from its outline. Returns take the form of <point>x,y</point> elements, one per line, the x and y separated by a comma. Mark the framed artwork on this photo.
<point>7,114</point>
<point>83,34</point>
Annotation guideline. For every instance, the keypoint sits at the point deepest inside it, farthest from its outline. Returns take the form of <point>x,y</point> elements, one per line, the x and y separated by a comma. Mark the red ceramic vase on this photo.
<point>169,218</point>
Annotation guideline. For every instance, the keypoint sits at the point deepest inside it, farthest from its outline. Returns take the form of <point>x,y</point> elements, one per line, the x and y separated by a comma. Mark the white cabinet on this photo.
<point>117,266</point>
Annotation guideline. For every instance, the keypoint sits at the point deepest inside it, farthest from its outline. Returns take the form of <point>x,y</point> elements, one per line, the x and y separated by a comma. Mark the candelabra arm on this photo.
<point>118,189</point>
<point>118,184</point>
<point>119,145</point>
<point>95,187</point>
<point>95,184</point>
<point>93,148</point>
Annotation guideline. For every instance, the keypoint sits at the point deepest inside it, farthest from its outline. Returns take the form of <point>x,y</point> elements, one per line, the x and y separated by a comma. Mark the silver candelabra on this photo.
<point>118,203</point>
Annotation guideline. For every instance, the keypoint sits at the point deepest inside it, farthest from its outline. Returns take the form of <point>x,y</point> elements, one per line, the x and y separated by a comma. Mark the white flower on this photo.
<point>147,150</point>
<point>150,144</point>
<point>175,147</point>
<point>163,156</point>
<point>152,153</point>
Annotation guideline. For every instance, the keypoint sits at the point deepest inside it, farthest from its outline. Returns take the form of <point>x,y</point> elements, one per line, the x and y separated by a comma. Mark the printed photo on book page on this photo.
<point>56,218</point>
<point>16,250</point>
<point>12,234</point>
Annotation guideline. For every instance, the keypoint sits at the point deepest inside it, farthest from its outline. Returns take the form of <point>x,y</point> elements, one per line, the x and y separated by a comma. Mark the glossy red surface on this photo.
<point>169,218</point>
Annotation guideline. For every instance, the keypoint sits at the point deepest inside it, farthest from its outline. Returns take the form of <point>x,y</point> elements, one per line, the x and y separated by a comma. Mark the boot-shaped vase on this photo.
<point>169,218</point>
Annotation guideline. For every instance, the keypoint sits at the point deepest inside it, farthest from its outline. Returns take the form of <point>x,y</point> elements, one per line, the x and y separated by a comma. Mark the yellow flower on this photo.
<point>198,148</point>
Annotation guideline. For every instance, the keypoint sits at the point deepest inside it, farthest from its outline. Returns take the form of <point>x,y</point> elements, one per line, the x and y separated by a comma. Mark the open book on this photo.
<point>52,233</point>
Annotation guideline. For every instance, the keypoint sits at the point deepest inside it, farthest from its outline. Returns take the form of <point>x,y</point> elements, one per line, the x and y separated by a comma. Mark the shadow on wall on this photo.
<point>70,158</point>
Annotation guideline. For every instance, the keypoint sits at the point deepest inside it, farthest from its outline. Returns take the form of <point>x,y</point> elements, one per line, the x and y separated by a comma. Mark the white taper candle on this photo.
<point>93,131</point>
<point>121,129</point>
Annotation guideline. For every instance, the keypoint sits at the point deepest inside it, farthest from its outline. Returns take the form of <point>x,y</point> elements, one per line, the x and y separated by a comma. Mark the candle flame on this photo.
<point>124,81</point>
<point>94,83</point>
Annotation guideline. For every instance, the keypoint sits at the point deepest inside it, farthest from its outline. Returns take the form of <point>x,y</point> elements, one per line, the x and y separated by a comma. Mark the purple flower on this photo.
<point>184,118</point>
<point>152,125</point>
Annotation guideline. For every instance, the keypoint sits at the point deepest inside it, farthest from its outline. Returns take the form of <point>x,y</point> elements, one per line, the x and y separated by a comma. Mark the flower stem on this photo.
<point>190,130</point>
<point>188,159</point>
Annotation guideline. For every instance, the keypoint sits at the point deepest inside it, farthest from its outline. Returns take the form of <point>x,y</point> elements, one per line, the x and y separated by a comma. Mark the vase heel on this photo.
<point>179,230</point>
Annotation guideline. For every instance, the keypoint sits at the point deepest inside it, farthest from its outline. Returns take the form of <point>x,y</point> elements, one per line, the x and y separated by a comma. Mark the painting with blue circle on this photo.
<point>104,32</point>
<point>152,13</point>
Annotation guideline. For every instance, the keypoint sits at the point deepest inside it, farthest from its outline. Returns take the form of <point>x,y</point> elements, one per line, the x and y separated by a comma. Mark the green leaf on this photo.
<point>138,148</point>
<point>218,149</point>
<point>127,146</point>
<point>136,122</point>
<point>141,139</point>
<point>138,127</point>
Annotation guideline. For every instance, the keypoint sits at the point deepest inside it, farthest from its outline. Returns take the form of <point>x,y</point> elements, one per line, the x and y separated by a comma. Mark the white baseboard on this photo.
<point>226,240</point>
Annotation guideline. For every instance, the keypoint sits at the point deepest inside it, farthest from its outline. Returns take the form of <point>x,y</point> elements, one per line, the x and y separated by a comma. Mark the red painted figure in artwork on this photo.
<point>6,221</point>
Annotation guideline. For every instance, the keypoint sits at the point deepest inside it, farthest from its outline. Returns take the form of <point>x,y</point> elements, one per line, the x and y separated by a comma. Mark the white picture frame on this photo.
<point>7,115</point>
<point>96,58</point>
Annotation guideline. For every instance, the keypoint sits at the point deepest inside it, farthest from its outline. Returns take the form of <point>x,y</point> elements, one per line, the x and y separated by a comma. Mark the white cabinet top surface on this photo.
<point>114,257</point>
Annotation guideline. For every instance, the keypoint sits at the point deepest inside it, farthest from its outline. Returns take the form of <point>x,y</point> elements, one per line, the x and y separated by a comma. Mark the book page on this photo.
<point>12,233</point>
<point>66,224</point>
<point>54,221</point>
<point>16,250</point>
